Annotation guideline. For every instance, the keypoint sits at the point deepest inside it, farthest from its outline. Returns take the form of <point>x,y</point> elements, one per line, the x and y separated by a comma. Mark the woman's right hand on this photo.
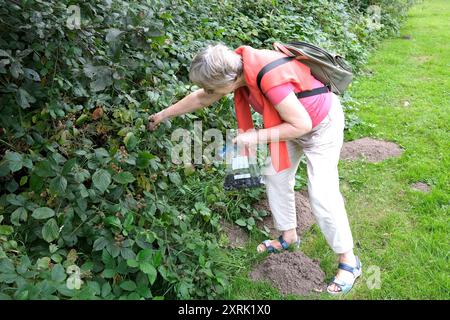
<point>154,120</point>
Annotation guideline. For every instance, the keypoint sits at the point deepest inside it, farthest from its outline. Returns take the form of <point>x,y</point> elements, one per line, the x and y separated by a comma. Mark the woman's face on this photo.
<point>228,88</point>
<point>222,90</point>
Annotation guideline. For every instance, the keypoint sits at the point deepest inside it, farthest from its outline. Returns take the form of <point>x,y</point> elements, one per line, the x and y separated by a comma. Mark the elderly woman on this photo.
<point>297,119</point>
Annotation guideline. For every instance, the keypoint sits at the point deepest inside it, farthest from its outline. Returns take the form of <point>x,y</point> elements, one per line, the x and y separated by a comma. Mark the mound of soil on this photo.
<point>421,186</point>
<point>370,150</point>
<point>237,237</point>
<point>305,219</point>
<point>291,272</point>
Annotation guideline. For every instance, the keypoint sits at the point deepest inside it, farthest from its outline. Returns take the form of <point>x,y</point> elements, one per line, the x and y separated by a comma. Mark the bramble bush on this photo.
<point>91,206</point>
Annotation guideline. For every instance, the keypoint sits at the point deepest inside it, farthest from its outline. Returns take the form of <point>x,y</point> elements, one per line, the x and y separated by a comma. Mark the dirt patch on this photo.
<point>237,237</point>
<point>291,272</point>
<point>305,219</point>
<point>421,186</point>
<point>370,150</point>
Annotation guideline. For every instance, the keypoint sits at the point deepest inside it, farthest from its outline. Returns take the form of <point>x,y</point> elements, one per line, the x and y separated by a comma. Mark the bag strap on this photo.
<point>271,66</point>
<point>313,92</point>
<point>284,60</point>
<point>280,47</point>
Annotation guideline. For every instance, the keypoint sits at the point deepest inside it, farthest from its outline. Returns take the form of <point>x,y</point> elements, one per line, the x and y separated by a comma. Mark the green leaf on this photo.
<point>112,35</point>
<point>103,79</point>
<point>58,273</point>
<point>108,273</point>
<point>6,266</point>
<point>56,257</point>
<point>157,258</point>
<point>99,244</point>
<point>144,291</point>
<point>82,119</point>
<point>101,153</point>
<point>4,296</point>
<point>16,200</point>
<point>23,53</point>
<point>31,74</point>
<point>144,255</point>
<point>8,277</point>
<point>50,230</point>
<point>43,213</point>
<point>106,289</point>
<point>132,263</point>
<point>134,296</point>
<point>12,186</point>
<point>129,220</point>
<point>127,253</point>
<point>68,166</point>
<point>175,178</point>
<point>18,215</point>
<point>16,69</point>
<point>36,182</point>
<point>241,222</point>
<point>53,248</point>
<point>24,99</point>
<point>4,168</point>
<point>128,285</point>
<point>14,160</point>
<point>143,159</point>
<point>113,249</point>
<point>83,191</point>
<point>162,185</point>
<point>44,169</point>
<point>27,162</point>
<point>81,175</point>
<point>6,230</point>
<point>95,286</point>
<point>130,141</point>
<point>113,221</point>
<point>108,260</point>
<point>101,180</point>
<point>3,53</point>
<point>23,180</point>
<point>43,263</point>
<point>87,266</point>
<point>124,177</point>
<point>58,185</point>
<point>149,270</point>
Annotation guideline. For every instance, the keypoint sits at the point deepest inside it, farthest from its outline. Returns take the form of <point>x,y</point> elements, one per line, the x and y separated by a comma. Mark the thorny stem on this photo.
<point>8,144</point>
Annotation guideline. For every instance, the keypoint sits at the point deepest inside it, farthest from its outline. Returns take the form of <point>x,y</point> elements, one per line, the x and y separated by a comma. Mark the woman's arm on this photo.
<point>193,101</point>
<point>297,122</point>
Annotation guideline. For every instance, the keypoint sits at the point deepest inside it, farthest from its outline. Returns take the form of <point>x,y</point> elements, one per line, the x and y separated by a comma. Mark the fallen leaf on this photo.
<point>97,114</point>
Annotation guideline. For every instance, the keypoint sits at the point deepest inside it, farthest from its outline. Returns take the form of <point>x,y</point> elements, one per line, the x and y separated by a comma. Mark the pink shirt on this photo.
<point>317,106</point>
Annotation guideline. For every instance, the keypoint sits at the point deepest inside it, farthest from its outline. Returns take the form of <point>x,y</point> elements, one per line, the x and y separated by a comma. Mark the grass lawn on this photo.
<point>401,232</point>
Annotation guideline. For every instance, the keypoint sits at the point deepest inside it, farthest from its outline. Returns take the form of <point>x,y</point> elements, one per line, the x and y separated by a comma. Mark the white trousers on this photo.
<point>321,147</point>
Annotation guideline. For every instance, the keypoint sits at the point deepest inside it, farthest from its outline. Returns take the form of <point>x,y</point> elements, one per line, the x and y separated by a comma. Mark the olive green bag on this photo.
<point>330,69</point>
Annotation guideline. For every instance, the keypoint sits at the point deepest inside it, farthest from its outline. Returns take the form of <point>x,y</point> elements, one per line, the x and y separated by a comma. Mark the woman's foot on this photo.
<point>343,275</point>
<point>289,236</point>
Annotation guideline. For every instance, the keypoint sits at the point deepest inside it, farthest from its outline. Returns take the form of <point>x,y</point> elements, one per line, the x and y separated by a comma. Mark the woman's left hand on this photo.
<point>247,138</point>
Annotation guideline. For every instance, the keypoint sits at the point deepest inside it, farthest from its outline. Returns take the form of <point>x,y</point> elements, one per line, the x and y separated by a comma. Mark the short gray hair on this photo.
<point>215,66</point>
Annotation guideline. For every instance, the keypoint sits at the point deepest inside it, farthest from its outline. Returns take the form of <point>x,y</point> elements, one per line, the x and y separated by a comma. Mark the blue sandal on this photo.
<point>284,245</point>
<point>343,286</point>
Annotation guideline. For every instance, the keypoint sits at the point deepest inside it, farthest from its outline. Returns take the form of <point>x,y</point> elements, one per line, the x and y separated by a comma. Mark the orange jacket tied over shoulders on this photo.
<point>253,61</point>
